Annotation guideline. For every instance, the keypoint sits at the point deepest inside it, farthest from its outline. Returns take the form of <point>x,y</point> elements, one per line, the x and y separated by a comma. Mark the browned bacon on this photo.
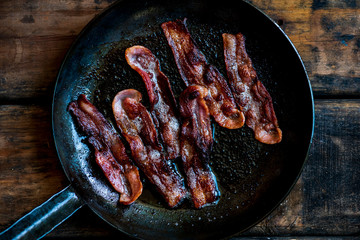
<point>162,102</point>
<point>110,152</point>
<point>249,93</point>
<point>194,69</point>
<point>196,144</point>
<point>138,128</point>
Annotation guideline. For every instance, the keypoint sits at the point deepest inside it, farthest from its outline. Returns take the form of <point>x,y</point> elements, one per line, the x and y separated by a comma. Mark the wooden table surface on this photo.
<point>325,203</point>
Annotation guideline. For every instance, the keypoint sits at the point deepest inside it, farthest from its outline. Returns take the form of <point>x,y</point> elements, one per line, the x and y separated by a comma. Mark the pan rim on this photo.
<point>312,124</point>
<point>105,12</point>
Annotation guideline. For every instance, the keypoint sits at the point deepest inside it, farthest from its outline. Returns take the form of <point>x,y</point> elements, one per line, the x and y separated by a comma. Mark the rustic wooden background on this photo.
<point>325,203</point>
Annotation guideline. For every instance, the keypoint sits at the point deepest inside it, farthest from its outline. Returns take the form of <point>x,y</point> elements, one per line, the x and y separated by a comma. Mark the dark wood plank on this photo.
<point>30,171</point>
<point>29,66</point>
<point>327,36</point>
<point>325,4</point>
<point>35,35</point>
<point>34,38</point>
<point>325,200</point>
<point>331,178</point>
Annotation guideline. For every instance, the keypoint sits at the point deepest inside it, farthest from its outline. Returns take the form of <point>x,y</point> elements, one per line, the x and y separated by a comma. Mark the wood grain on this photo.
<point>29,66</point>
<point>34,38</point>
<point>35,35</point>
<point>327,36</point>
<point>325,200</point>
<point>324,204</point>
<point>30,171</point>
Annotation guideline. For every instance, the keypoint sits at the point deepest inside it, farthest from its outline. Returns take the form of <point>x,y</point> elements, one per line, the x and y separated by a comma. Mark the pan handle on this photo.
<point>45,217</point>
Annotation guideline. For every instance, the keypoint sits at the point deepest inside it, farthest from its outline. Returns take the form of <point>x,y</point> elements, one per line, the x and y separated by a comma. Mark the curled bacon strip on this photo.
<point>138,128</point>
<point>194,69</point>
<point>110,152</point>
<point>162,101</point>
<point>249,93</point>
<point>196,144</point>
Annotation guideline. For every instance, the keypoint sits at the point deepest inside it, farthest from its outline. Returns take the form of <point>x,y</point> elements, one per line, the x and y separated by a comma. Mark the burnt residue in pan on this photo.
<point>242,164</point>
<point>253,177</point>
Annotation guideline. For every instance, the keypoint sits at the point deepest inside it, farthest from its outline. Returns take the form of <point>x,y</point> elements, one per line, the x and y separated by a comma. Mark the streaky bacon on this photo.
<point>194,69</point>
<point>110,152</point>
<point>196,144</point>
<point>138,128</point>
<point>249,93</point>
<point>163,106</point>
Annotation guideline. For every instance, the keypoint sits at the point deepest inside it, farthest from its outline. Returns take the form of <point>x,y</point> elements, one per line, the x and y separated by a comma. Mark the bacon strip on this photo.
<point>110,152</point>
<point>196,144</point>
<point>249,93</point>
<point>194,69</point>
<point>138,128</point>
<point>162,101</point>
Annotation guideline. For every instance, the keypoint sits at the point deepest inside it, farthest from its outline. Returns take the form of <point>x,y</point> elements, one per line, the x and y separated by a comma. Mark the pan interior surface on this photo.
<point>253,177</point>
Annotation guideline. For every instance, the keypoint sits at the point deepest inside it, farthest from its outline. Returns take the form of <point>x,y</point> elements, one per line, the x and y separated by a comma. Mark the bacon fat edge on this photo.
<point>249,93</point>
<point>194,69</point>
<point>138,128</point>
<point>163,106</point>
<point>110,152</point>
<point>196,144</point>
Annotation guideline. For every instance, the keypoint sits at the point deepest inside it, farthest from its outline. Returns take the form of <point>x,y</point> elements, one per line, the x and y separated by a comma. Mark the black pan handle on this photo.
<point>45,217</point>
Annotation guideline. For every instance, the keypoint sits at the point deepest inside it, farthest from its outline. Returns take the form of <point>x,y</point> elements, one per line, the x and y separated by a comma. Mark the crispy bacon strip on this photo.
<point>162,101</point>
<point>249,93</point>
<point>196,144</point>
<point>110,152</point>
<point>138,128</point>
<point>194,69</point>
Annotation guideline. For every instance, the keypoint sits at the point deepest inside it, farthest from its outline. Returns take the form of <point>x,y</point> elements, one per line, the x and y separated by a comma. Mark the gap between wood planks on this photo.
<point>33,44</point>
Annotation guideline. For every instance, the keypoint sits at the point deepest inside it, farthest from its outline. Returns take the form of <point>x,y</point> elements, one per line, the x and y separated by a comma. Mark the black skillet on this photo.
<point>253,177</point>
